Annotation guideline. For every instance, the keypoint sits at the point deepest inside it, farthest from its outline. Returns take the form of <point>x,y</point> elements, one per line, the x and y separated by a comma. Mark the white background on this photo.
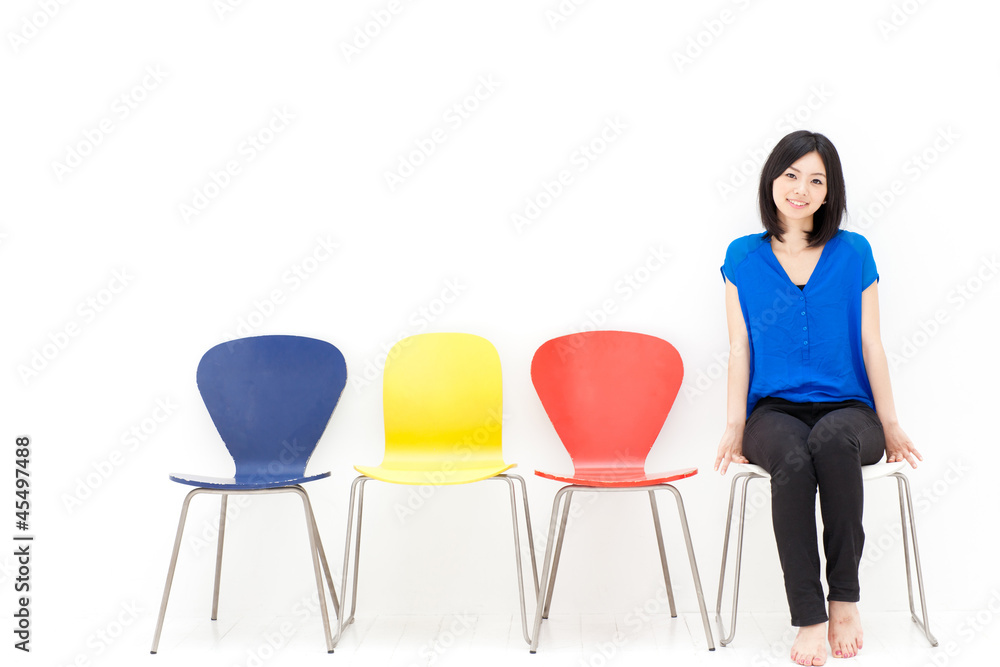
<point>693,95</point>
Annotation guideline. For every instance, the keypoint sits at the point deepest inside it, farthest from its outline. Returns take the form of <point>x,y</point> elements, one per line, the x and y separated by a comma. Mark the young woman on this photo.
<point>809,398</point>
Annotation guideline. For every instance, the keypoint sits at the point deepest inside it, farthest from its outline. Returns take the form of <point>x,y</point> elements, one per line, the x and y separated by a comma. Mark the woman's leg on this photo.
<point>778,442</point>
<point>840,443</point>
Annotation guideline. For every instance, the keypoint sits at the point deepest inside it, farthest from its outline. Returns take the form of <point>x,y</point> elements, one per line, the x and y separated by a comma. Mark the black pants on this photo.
<point>805,446</point>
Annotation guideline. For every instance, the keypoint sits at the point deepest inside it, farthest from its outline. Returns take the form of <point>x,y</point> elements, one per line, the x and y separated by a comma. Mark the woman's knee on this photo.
<point>783,452</point>
<point>845,433</point>
<point>771,436</point>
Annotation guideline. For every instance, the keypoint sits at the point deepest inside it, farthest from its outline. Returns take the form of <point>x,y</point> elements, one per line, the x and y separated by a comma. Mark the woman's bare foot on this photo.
<point>809,647</point>
<point>845,629</point>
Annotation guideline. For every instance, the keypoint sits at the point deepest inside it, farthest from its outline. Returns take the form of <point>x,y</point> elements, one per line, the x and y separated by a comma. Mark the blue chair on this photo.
<point>270,398</point>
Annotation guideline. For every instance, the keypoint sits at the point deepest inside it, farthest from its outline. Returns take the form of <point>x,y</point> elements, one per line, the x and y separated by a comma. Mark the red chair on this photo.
<point>607,394</point>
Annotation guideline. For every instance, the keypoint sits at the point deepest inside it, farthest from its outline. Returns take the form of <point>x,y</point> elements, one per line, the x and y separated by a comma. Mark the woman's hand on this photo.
<point>898,446</point>
<point>730,450</point>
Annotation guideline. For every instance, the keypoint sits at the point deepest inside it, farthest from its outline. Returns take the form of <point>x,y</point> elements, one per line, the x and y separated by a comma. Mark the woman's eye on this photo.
<point>817,181</point>
<point>790,175</point>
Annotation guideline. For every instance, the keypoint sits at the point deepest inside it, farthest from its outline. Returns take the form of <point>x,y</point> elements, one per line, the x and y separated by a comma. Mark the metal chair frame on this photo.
<point>358,497</point>
<point>905,510</point>
<point>551,561</point>
<point>315,547</point>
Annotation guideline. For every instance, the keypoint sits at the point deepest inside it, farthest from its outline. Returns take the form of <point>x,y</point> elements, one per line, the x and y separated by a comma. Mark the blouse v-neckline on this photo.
<point>777,264</point>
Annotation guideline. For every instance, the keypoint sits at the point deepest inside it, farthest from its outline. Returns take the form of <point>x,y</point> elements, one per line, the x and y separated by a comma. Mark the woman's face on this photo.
<point>800,189</point>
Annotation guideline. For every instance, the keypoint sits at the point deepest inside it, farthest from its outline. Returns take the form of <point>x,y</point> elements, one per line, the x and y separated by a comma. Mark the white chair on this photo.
<point>746,472</point>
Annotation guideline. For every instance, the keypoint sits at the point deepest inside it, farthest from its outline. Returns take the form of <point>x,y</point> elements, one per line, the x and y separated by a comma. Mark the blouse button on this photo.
<point>803,312</point>
<point>805,342</point>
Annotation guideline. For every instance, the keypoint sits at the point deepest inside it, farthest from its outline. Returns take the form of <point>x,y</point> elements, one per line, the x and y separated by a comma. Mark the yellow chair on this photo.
<point>442,400</point>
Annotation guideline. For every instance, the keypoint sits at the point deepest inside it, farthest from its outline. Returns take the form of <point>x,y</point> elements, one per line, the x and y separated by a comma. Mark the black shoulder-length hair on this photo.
<point>826,220</point>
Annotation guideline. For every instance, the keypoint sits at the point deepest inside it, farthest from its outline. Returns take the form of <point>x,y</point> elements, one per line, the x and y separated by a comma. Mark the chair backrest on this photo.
<point>270,398</point>
<point>442,400</point>
<point>607,394</point>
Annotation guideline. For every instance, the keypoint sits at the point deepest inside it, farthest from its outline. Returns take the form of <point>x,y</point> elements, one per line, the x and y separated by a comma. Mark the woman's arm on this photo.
<point>897,445</point>
<point>731,445</point>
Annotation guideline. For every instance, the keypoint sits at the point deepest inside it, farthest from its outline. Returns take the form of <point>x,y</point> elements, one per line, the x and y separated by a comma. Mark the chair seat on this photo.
<point>619,477</point>
<point>868,473</point>
<point>450,472</point>
<point>231,484</point>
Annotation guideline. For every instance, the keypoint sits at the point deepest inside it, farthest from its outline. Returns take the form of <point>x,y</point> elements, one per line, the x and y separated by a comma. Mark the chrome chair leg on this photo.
<point>663,554</point>
<point>694,564</point>
<point>357,550</point>
<point>558,553</point>
<point>903,485</point>
<point>724,639</point>
<point>906,545</point>
<point>170,570</point>
<point>527,523</point>
<point>546,561</point>
<point>218,557</point>
<point>326,568</point>
<point>517,555</point>
<point>745,477</point>
<point>314,552</point>
<point>357,491</point>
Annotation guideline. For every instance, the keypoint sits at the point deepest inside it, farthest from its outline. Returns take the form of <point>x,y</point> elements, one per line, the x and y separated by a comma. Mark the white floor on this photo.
<point>567,640</point>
